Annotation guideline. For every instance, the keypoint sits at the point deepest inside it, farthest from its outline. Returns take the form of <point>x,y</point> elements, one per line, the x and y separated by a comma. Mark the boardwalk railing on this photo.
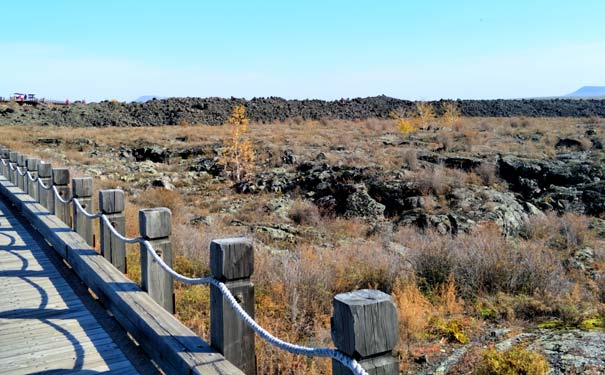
<point>364,322</point>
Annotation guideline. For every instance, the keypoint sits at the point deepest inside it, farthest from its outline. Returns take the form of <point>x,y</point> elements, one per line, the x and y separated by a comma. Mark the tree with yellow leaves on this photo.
<point>425,113</point>
<point>451,113</point>
<point>239,155</point>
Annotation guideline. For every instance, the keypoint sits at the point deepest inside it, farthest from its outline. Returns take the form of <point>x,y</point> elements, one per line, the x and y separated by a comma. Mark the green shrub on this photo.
<point>514,361</point>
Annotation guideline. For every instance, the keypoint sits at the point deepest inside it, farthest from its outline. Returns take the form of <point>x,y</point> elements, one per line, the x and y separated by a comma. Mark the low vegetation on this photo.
<point>451,287</point>
<point>516,360</point>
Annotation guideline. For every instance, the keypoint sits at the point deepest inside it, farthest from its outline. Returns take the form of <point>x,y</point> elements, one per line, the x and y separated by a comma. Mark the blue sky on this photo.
<point>326,49</point>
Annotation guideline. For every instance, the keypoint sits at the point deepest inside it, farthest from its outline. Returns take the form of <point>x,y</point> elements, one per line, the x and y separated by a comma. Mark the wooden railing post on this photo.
<point>13,156</point>
<point>4,152</point>
<point>155,226</point>
<point>21,164</point>
<point>61,181</point>
<point>45,197</point>
<point>232,262</point>
<point>31,188</point>
<point>111,203</point>
<point>364,326</point>
<point>82,190</point>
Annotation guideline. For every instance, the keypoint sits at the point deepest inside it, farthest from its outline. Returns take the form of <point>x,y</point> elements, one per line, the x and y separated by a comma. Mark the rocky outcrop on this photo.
<point>373,194</point>
<point>215,111</point>
<point>572,182</point>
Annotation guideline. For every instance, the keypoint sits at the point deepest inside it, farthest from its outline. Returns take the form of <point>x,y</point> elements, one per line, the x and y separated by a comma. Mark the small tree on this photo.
<point>451,113</point>
<point>425,113</point>
<point>239,156</point>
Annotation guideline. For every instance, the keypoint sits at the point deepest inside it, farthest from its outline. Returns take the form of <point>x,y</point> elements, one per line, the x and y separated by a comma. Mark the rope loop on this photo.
<point>58,196</point>
<point>45,187</point>
<point>31,177</point>
<point>78,205</point>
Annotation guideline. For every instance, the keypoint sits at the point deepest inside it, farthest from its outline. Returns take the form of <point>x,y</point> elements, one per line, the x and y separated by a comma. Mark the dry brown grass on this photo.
<point>297,281</point>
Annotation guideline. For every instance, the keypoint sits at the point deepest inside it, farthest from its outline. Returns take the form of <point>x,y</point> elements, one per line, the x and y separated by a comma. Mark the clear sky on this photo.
<point>326,49</point>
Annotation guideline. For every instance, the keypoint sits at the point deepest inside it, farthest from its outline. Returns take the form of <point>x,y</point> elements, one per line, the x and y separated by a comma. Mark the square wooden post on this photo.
<point>32,187</point>
<point>82,190</point>
<point>232,262</point>
<point>364,326</point>
<point>155,226</point>
<point>4,154</point>
<point>13,162</point>
<point>61,181</point>
<point>45,197</point>
<point>21,164</point>
<point>111,204</point>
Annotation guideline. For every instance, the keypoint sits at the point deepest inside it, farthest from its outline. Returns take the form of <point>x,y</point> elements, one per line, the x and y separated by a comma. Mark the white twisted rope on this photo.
<point>12,166</point>
<point>31,177</point>
<point>115,232</point>
<point>64,201</point>
<point>45,187</point>
<point>21,173</point>
<point>78,205</point>
<point>4,162</point>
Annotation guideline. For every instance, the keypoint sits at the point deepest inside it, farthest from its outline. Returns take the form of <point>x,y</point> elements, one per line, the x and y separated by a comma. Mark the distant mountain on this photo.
<point>588,92</point>
<point>146,98</point>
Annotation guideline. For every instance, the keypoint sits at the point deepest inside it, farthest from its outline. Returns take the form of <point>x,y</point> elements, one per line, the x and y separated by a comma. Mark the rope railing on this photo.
<point>346,360</point>
<point>31,177</point>
<point>60,198</point>
<point>246,318</point>
<point>41,184</point>
<point>22,174</point>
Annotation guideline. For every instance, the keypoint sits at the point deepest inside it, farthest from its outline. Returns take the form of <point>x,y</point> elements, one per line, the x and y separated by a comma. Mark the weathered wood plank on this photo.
<point>44,325</point>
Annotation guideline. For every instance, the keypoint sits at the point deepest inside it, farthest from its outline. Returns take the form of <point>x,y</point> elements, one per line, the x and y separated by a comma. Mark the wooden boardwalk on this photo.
<point>49,324</point>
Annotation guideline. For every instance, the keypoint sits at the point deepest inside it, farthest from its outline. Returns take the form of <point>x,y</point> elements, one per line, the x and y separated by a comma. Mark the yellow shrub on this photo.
<point>406,126</point>
<point>413,308</point>
<point>452,330</point>
<point>516,360</point>
<point>405,123</point>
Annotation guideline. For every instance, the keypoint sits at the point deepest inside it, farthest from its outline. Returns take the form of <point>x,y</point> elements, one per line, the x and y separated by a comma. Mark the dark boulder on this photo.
<point>359,204</point>
<point>593,196</point>
<point>466,163</point>
<point>155,154</point>
<point>210,166</point>
<point>397,196</point>
<point>569,143</point>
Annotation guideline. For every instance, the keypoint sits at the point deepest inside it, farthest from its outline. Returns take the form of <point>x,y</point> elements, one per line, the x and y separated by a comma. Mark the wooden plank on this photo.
<point>43,344</point>
<point>25,328</point>
<point>58,361</point>
<point>174,347</point>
